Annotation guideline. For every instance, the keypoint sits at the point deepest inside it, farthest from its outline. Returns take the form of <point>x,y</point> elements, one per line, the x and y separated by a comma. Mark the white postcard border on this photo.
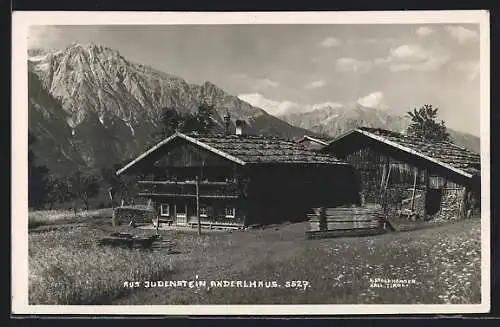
<point>19,216</point>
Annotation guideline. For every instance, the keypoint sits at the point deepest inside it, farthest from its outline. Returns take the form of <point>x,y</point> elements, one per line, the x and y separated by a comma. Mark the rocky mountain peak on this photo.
<point>112,106</point>
<point>90,47</point>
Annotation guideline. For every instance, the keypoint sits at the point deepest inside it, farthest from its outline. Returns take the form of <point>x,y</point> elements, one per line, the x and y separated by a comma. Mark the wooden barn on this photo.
<point>236,180</point>
<point>415,177</point>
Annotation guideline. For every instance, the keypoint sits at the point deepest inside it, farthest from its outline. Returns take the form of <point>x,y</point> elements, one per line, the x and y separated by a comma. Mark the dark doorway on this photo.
<point>433,201</point>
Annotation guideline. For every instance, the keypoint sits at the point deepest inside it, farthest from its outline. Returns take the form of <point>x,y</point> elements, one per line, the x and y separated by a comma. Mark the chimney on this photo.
<point>240,124</point>
<point>227,122</point>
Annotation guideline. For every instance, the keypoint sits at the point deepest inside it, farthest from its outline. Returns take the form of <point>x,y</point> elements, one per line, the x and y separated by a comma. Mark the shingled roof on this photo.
<point>446,154</point>
<point>248,149</point>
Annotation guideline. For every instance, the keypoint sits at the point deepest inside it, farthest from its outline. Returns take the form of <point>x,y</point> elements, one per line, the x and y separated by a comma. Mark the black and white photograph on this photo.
<point>251,163</point>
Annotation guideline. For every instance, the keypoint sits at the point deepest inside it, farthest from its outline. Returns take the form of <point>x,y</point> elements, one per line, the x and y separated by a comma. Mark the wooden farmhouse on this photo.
<point>424,178</point>
<point>236,180</point>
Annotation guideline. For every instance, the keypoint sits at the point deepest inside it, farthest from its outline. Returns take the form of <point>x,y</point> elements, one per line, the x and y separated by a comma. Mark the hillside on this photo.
<point>89,107</point>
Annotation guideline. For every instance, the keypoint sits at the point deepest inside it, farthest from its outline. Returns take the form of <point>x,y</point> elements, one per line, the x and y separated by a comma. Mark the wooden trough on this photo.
<point>347,221</point>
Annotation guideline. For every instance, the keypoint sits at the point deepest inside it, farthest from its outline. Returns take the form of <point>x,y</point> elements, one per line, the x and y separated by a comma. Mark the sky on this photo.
<point>392,67</point>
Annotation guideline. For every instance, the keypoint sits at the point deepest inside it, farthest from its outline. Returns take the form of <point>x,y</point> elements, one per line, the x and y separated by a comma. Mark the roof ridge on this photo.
<point>416,138</point>
<point>243,136</point>
<point>371,129</point>
<point>247,149</point>
<point>418,148</point>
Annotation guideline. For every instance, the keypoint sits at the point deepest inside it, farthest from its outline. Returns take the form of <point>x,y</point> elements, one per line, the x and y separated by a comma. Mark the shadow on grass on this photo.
<point>404,225</point>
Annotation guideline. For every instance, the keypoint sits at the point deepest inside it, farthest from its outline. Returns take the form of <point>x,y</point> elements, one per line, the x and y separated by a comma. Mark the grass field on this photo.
<point>56,217</point>
<point>67,267</point>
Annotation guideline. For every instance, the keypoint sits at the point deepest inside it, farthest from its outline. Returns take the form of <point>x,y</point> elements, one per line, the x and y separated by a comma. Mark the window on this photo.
<point>436,182</point>
<point>230,212</point>
<point>164,209</point>
<point>203,211</point>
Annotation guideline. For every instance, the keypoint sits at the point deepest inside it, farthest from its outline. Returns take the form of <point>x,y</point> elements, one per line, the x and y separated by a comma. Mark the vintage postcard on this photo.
<point>292,163</point>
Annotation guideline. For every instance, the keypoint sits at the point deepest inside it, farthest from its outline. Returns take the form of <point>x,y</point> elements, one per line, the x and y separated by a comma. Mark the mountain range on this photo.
<point>334,119</point>
<point>90,108</point>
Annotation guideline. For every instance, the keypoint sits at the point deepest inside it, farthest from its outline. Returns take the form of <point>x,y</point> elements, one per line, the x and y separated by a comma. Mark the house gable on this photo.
<point>182,153</point>
<point>180,150</point>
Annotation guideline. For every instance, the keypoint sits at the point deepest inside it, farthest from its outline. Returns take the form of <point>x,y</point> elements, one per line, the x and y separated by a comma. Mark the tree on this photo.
<point>84,186</point>
<point>57,191</point>
<point>424,124</point>
<point>172,121</point>
<point>37,177</point>
<point>203,122</point>
<point>123,186</point>
<point>90,189</point>
<point>109,177</point>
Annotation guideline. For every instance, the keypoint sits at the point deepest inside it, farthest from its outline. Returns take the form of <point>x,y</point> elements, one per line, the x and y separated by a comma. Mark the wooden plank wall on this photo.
<point>190,155</point>
<point>372,167</point>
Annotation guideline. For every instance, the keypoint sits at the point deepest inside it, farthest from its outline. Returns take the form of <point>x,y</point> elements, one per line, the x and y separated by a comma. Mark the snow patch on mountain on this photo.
<point>131,127</point>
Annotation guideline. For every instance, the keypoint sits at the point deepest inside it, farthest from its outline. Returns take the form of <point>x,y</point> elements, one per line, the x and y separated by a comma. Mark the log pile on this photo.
<point>418,205</point>
<point>347,221</point>
<point>451,203</point>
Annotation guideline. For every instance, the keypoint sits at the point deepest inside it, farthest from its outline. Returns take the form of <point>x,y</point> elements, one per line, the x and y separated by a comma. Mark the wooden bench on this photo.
<point>161,221</point>
<point>215,225</point>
